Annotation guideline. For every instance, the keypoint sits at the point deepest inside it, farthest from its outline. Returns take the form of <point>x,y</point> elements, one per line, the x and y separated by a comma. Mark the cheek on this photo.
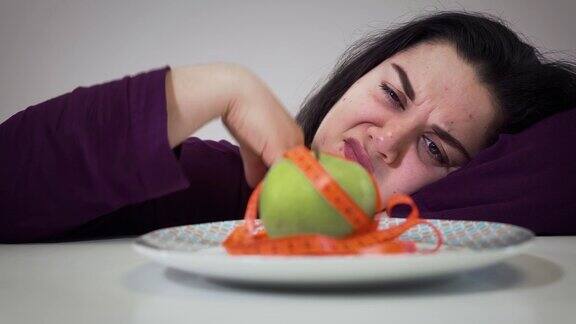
<point>349,112</point>
<point>335,124</point>
<point>408,177</point>
<point>323,133</point>
<point>350,116</point>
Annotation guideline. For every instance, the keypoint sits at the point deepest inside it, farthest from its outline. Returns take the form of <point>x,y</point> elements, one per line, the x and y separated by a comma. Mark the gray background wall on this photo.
<point>48,47</point>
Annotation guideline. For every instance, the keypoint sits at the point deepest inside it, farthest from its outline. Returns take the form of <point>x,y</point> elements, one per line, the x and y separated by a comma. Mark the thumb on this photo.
<point>254,167</point>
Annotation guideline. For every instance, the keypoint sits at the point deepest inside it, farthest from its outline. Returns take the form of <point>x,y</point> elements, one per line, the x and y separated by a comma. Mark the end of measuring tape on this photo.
<point>247,239</point>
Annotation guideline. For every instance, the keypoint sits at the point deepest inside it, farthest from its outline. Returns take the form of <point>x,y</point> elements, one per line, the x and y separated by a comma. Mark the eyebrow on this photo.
<point>444,135</point>
<point>451,140</point>
<point>406,85</point>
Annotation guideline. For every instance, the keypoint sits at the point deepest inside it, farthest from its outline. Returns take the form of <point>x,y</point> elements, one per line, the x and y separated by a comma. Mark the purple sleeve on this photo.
<point>97,151</point>
<point>218,192</point>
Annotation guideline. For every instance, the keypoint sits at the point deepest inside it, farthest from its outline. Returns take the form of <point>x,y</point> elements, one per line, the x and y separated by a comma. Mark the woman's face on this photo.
<point>413,119</point>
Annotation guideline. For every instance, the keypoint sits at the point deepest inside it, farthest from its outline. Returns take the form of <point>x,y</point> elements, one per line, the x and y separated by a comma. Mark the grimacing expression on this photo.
<point>418,116</point>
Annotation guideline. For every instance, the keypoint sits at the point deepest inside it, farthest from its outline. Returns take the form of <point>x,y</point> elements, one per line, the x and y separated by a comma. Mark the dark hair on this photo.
<point>525,86</point>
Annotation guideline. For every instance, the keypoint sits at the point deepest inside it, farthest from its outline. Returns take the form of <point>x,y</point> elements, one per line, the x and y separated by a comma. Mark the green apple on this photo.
<point>290,205</point>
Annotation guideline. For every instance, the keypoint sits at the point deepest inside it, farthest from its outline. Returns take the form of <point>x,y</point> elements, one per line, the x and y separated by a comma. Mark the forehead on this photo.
<point>447,87</point>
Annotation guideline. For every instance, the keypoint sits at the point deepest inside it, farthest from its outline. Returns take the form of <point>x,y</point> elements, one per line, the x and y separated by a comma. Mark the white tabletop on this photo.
<point>108,282</point>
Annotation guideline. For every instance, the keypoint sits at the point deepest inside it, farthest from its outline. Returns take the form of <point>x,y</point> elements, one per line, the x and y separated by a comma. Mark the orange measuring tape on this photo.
<point>247,239</point>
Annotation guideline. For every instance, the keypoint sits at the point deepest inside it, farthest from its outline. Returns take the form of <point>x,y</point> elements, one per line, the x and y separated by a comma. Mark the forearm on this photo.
<point>197,94</point>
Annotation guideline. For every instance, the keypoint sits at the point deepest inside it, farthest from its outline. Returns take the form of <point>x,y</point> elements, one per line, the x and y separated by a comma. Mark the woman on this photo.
<point>411,105</point>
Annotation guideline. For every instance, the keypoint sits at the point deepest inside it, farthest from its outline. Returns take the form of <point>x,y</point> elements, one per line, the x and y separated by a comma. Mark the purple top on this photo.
<point>96,163</point>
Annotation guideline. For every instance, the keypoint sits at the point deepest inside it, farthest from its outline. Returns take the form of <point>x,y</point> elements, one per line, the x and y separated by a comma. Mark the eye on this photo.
<point>391,94</point>
<point>435,152</point>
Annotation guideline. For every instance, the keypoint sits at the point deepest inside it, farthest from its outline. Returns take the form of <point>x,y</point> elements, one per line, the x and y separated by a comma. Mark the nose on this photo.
<point>393,137</point>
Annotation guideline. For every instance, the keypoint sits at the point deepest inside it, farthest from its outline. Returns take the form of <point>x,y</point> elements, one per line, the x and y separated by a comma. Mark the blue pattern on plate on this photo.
<point>472,235</point>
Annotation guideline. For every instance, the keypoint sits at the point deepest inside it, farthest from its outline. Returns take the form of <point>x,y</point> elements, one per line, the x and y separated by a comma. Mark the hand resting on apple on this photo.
<point>247,107</point>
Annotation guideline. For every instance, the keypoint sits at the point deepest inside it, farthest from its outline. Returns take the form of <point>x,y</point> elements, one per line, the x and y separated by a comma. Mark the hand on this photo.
<point>261,125</point>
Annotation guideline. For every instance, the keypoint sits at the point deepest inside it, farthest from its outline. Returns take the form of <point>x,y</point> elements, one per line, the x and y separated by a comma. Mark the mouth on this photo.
<point>354,151</point>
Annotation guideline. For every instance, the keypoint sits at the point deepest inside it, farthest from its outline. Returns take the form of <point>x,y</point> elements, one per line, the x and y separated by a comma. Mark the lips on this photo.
<point>353,150</point>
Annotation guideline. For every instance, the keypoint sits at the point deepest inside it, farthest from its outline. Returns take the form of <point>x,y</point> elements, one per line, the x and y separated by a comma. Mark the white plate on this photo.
<point>468,245</point>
